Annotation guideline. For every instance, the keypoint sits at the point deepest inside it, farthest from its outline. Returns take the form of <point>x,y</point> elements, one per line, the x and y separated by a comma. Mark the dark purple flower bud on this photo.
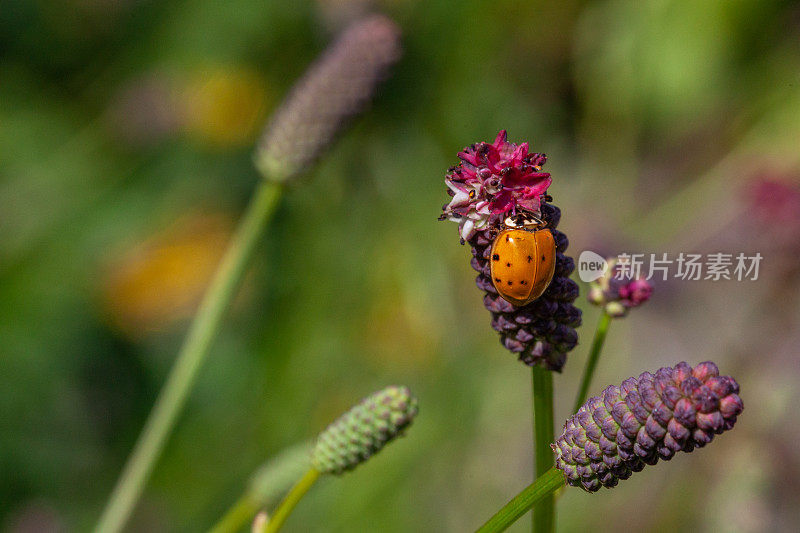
<point>617,433</point>
<point>543,331</point>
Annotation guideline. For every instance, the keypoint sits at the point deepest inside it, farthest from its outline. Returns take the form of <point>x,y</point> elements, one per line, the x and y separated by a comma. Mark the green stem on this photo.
<point>544,513</point>
<point>195,348</point>
<point>290,501</point>
<point>542,488</point>
<point>237,516</point>
<point>591,362</point>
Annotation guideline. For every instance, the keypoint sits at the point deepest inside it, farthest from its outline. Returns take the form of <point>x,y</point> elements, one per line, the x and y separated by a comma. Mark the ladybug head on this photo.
<point>525,220</point>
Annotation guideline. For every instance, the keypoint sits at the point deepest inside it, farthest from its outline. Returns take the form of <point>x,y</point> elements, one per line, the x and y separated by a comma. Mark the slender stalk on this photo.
<point>238,515</point>
<point>544,513</point>
<point>290,501</point>
<point>591,362</point>
<point>544,487</point>
<point>195,348</point>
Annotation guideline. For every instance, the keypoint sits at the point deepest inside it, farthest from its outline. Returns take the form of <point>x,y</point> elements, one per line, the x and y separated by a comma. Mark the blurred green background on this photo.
<point>126,134</point>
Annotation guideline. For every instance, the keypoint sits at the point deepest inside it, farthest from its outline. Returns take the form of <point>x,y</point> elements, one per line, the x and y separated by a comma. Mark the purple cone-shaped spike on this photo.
<point>645,419</point>
<point>543,331</point>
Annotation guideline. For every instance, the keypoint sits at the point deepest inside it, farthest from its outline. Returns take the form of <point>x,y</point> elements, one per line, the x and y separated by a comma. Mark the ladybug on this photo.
<point>523,259</point>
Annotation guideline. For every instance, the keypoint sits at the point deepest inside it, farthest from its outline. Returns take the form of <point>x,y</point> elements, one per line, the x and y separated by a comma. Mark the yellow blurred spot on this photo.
<point>163,279</point>
<point>225,106</point>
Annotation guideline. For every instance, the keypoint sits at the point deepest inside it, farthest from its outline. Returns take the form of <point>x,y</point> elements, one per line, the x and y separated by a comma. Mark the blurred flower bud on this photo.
<point>364,430</point>
<point>775,200</point>
<point>616,309</point>
<point>338,14</point>
<point>617,292</point>
<point>595,296</point>
<point>645,419</point>
<point>334,89</point>
<point>635,293</point>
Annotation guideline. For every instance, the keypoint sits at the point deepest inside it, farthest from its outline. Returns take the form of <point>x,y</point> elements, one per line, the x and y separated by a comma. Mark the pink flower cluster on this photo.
<point>500,178</point>
<point>617,293</point>
<point>635,292</point>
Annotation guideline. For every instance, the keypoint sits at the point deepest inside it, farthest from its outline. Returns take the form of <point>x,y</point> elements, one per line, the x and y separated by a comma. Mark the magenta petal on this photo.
<point>530,204</point>
<point>502,203</point>
<point>470,157</point>
<point>537,189</point>
<point>520,152</point>
<point>518,179</point>
<point>501,139</point>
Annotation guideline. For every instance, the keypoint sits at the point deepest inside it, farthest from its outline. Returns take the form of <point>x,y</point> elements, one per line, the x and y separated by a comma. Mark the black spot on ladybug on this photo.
<point>508,264</point>
<point>544,258</point>
<point>510,282</point>
<point>508,238</point>
<point>530,259</point>
<point>523,282</point>
<point>498,280</point>
<point>496,257</point>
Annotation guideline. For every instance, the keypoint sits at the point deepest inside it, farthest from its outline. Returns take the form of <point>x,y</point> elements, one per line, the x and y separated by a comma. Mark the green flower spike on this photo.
<point>362,431</point>
<point>352,439</point>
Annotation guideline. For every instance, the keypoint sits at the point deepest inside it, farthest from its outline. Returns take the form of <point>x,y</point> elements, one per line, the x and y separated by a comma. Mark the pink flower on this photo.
<point>500,178</point>
<point>635,293</point>
<point>775,200</point>
<point>616,292</point>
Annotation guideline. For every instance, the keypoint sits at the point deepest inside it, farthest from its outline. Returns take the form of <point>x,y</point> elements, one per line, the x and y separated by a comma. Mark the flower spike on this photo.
<point>492,182</point>
<point>334,89</point>
<point>364,430</point>
<point>643,420</point>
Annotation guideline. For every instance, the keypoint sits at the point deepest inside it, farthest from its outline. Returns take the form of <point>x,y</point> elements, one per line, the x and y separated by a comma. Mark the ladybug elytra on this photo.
<point>523,259</point>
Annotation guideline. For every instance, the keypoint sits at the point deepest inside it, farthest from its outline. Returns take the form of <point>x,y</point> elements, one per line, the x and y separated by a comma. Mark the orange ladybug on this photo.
<point>523,259</point>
